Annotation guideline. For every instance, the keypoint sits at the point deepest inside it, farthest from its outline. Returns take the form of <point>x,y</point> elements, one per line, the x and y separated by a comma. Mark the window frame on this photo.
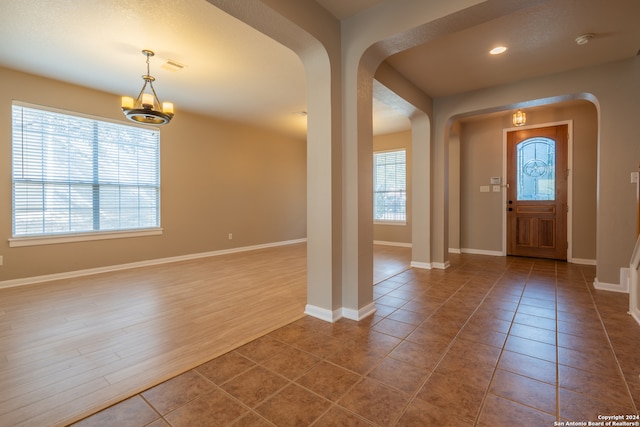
<point>89,235</point>
<point>400,222</point>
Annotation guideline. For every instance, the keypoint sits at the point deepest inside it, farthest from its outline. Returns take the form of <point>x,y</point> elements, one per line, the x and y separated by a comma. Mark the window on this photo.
<point>390,186</point>
<point>536,169</point>
<point>74,174</point>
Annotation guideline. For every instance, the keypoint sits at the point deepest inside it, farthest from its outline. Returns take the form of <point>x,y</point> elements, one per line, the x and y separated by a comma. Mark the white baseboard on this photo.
<point>423,265</point>
<point>441,265</point>
<point>635,315</point>
<point>359,314</point>
<point>399,244</point>
<point>583,261</point>
<point>611,287</point>
<point>110,268</point>
<point>481,252</point>
<point>322,313</point>
<point>430,265</point>
<point>333,316</point>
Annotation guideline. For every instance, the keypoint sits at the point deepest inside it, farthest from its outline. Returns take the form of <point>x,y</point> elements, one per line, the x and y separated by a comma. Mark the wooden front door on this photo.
<point>537,192</point>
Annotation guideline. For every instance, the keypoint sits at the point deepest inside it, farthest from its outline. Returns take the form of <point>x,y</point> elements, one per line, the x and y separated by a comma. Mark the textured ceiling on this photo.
<point>343,9</point>
<point>540,41</point>
<point>232,71</point>
<point>235,72</point>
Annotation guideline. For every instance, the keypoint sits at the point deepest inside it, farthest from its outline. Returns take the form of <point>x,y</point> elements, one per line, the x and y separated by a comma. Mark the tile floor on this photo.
<point>491,341</point>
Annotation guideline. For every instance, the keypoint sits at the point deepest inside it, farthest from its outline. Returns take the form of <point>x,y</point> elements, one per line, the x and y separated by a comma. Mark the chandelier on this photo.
<point>519,118</point>
<point>147,108</point>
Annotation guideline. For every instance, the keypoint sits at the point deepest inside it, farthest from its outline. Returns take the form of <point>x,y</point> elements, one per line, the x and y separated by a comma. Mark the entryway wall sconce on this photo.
<point>519,118</point>
<point>146,108</point>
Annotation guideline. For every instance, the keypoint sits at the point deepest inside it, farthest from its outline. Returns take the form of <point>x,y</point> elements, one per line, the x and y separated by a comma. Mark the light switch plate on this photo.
<point>484,188</point>
<point>496,188</point>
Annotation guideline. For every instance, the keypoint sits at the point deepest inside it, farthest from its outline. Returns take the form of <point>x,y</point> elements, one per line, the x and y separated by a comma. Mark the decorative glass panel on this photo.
<point>536,169</point>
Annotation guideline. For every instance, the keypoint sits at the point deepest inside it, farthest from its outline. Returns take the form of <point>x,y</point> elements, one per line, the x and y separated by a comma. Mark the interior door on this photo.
<point>537,192</point>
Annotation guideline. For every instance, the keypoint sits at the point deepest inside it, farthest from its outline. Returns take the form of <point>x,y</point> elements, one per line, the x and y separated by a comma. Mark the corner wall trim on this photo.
<point>423,265</point>
<point>399,244</point>
<point>635,314</point>
<point>634,302</point>
<point>582,261</point>
<point>441,265</point>
<point>323,313</point>
<point>118,267</point>
<point>333,316</point>
<point>611,287</point>
<point>359,314</point>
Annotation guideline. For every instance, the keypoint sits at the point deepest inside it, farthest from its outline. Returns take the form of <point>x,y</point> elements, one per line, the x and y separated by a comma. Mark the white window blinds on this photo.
<point>74,174</point>
<point>390,186</point>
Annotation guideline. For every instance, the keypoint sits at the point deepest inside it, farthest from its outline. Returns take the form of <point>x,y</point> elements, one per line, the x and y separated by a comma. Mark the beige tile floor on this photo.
<point>490,341</point>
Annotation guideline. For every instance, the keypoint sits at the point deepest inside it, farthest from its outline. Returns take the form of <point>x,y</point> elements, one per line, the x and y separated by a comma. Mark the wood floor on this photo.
<point>72,347</point>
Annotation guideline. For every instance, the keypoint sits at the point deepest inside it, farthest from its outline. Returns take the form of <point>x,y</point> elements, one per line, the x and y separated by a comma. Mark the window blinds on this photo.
<point>74,174</point>
<point>390,186</point>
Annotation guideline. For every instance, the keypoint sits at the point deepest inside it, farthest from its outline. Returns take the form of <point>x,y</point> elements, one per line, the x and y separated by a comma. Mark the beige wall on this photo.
<point>476,154</point>
<point>454,188</point>
<point>395,233</point>
<point>217,178</point>
<point>482,157</point>
<point>614,88</point>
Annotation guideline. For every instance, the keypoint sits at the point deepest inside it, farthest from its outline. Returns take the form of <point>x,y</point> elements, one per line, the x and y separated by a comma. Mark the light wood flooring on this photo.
<point>71,347</point>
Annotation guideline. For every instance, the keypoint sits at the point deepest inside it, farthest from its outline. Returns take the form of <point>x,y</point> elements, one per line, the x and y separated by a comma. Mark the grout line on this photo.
<point>495,369</point>
<point>557,350</point>
<point>413,396</point>
<point>160,416</point>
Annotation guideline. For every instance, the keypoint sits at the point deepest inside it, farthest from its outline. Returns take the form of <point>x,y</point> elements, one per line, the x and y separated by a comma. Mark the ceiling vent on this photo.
<point>172,65</point>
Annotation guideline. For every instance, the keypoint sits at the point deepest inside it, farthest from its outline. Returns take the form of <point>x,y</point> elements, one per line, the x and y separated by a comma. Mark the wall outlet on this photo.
<point>230,236</point>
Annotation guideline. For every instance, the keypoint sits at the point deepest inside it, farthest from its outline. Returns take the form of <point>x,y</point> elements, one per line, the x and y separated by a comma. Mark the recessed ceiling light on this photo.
<point>498,50</point>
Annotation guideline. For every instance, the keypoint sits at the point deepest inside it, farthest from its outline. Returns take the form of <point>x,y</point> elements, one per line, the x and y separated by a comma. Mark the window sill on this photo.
<point>389,223</point>
<point>16,242</point>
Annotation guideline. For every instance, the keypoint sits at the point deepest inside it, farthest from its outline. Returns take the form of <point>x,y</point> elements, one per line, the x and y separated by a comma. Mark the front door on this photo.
<point>537,192</point>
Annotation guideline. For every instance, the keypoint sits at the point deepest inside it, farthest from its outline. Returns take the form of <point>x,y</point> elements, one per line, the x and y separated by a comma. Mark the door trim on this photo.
<point>569,124</point>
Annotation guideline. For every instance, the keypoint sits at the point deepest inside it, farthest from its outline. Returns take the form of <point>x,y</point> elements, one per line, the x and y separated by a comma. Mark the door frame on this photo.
<point>569,215</point>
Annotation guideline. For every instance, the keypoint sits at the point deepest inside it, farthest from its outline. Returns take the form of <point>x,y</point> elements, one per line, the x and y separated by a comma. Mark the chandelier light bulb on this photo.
<point>519,118</point>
